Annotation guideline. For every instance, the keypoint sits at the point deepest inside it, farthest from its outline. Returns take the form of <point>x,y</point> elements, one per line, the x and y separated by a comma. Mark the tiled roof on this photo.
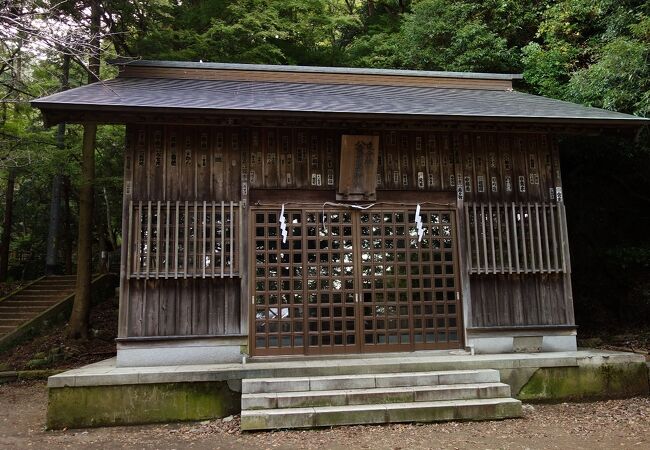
<point>137,94</point>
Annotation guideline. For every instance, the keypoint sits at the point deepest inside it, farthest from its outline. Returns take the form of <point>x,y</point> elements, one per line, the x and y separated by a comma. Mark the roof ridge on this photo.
<point>314,69</point>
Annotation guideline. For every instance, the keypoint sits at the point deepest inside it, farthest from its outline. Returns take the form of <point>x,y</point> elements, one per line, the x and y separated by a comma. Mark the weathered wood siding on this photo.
<point>181,164</point>
<point>196,164</point>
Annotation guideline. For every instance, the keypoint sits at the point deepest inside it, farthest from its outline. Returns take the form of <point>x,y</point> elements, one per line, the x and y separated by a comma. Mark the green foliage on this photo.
<point>454,35</point>
<point>249,31</point>
<point>619,79</point>
<point>594,52</point>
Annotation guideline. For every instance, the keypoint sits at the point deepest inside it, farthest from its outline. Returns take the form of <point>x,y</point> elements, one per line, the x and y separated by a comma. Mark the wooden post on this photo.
<point>81,306</point>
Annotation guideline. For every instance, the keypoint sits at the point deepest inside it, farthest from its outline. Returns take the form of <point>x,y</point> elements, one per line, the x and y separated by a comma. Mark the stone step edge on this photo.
<point>307,383</point>
<point>320,416</point>
<point>443,389</point>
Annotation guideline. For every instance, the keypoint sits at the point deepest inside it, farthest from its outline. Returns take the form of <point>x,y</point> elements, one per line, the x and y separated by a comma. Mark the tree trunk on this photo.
<point>51,266</point>
<point>110,235</point>
<point>67,236</point>
<point>95,42</point>
<point>7,225</point>
<point>81,307</point>
<point>371,8</point>
<point>51,263</point>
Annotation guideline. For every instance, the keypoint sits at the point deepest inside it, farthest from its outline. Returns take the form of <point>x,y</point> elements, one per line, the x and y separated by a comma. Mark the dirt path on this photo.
<point>613,424</point>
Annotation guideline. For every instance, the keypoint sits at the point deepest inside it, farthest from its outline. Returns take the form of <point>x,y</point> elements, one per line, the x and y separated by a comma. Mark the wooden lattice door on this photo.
<point>348,281</point>
<point>409,288</point>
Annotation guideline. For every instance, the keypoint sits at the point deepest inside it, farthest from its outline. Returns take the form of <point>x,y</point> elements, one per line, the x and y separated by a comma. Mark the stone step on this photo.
<point>374,396</point>
<point>477,409</point>
<point>368,381</point>
<point>38,295</point>
<point>15,315</point>
<point>51,290</point>
<point>21,308</point>
<point>11,322</point>
<point>32,297</point>
<point>21,303</point>
<point>51,287</point>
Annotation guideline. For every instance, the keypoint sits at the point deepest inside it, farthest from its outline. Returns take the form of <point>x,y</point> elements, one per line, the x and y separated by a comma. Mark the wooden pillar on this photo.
<point>457,155</point>
<point>81,307</point>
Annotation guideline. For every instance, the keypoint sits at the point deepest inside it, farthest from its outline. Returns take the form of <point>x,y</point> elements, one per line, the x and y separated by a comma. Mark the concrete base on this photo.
<point>554,376</point>
<point>522,341</point>
<point>162,352</point>
<point>92,406</point>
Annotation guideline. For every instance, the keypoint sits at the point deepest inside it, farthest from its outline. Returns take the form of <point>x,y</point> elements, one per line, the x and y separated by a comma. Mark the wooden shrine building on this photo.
<point>279,210</point>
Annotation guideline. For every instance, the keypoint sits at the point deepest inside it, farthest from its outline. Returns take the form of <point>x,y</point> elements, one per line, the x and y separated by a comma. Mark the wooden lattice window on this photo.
<point>183,239</point>
<point>516,238</point>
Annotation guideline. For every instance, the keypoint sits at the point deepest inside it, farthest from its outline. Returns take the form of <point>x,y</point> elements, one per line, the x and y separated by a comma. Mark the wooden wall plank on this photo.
<point>151,308</point>
<point>203,166</point>
<point>168,311</point>
<point>193,164</point>
<point>187,182</point>
<point>140,175</point>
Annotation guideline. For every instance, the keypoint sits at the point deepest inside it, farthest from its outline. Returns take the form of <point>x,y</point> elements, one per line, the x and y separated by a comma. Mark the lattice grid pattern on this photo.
<point>408,287</point>
<point>350,281</point>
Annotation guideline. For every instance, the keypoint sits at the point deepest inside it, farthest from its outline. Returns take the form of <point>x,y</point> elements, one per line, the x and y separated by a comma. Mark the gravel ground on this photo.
<point>611,424</point>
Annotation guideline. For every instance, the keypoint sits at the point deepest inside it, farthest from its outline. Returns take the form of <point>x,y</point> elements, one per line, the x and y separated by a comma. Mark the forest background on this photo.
<point>593,52</point>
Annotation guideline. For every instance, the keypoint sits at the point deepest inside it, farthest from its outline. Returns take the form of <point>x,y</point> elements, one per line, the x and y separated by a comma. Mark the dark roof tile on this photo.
<point>138,93</point>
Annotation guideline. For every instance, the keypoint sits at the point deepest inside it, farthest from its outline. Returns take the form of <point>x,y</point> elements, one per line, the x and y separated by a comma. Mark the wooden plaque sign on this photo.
<point>358,175</point>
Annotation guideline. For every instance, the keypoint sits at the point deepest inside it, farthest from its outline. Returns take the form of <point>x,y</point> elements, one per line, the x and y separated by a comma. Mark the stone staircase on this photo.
<point>29,302</point>
<point>319,401</point>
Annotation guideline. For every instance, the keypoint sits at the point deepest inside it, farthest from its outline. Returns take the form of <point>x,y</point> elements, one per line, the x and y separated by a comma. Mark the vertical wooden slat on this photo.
<point>506,219</point>
<point>494,261</point>
<point>138,241</point>
<point>523,236</point>
<point>241,239</point>
<point>476,236</point>
<point>176,226</point>
<point>540,257</point>
<point>158,239</point>
<point>148,254</point>
<point>167,240</point>
<point>485,251</point>
<point>130,243</point>
<point>213,240</point>
<point>232,237</point>
<point>556,265</point>
<point>500,234</point>
<point>223,236</point>
<point>531,239</point>
<point>470,259</point>
<point>185,239</point>
<point>560,217</point>
<point>549,267</point>
<point>195,246</point>
<point>204,227</point>
<point>516,239</point>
